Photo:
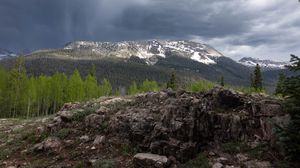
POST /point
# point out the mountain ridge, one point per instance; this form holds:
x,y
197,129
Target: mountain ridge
x,y
263,63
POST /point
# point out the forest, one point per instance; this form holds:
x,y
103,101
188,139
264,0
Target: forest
x,y
27,96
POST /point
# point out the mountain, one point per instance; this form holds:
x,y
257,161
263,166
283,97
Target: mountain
x,y
4,53
127,61
148,51
264,64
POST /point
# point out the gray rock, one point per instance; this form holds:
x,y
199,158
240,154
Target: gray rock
x,y
84,138
52,144
94,120
147,160
217,165
99,140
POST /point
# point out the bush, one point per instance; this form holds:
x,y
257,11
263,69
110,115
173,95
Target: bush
x,y
200,86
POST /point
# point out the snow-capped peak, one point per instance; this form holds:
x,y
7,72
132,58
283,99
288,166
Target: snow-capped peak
x,y
148,50
265,64
6,54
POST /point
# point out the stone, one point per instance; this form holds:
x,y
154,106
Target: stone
x,y
65,115
217,165
52,144
147,160
256,163
94,120
241,157
102,110
99,140
85,138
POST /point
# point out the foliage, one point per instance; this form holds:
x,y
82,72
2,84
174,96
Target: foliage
x,y
256,81
133,89
200,162
149,86
291,91
222,81
200,86
172,82
280,84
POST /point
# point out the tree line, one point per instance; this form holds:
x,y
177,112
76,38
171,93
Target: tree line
x,y
30,96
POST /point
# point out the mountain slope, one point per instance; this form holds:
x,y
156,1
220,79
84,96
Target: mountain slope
x,y
123,62
265,64
6,54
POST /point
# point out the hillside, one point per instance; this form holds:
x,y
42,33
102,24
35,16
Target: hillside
x,y
123,62
167,129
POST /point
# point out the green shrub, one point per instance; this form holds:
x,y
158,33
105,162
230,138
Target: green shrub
x,y
105,164
200,161
200,86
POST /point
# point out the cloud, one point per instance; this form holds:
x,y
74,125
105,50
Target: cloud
x,y
257,28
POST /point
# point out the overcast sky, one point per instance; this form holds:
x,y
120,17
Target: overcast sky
x,y
237,28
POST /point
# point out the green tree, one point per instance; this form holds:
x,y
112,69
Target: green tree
x,y
222,81
105,88
291,91
93,71
3,91
280,84
16,88
172,82
149,86
257,83
75,88
31,93
133,89
91,87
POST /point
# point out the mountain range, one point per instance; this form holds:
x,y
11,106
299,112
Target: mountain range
x,y
4,53
127,61
264,64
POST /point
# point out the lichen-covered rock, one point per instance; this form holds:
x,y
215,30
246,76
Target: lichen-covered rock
x,y
147,160
94,120
178,124
51,144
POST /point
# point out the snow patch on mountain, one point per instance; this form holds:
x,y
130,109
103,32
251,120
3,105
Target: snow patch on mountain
x,y
265,64
148,50
6,54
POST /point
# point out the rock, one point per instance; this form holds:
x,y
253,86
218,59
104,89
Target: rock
x,y
65,115
217,165
223,160
94,120
147,160
102,110
256,164
84,138
52,144
241,157
98,140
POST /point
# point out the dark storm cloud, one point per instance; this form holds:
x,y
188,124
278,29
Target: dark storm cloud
x,y
238,28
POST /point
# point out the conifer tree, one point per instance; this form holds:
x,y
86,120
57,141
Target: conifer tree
x,y
280,84
222,81
291,91
172,82
257,83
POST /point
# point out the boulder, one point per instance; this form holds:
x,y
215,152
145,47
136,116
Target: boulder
x,y
99,140
94,120
147,160
51,144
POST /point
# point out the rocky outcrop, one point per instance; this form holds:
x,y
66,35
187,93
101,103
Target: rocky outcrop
x,y
147,160
179,124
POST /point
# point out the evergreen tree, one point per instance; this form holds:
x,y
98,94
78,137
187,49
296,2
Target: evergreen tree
x,y
291,91
280,84
257,83
93,71
133,89
172,82
222,81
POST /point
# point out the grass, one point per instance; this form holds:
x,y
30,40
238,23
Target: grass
x,y
105,164
201,86
129,150
65,132
200,161
238,147
80,115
